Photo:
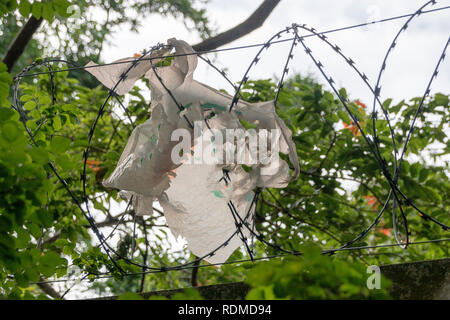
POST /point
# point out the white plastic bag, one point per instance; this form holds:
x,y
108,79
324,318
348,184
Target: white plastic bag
x,y
195,197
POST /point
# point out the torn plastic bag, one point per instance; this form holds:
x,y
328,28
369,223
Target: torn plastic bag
x,y
195,197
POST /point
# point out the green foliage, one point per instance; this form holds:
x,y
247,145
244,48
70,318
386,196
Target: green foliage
x,y
23,214
46,9
7,6
333,156
186,294
312,276
130,296
82,37
42,232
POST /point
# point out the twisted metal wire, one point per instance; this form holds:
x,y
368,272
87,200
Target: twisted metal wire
x,y
330,251
239,221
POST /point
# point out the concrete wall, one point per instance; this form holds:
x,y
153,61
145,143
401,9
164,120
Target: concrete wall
x,y
416,280
420,280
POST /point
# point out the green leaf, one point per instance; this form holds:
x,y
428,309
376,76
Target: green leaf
x,y
47,11
157,297
30,105
45,217
10,131
441,100
67,250
65,162
387,103
344,116
423,174
39,155
24,8
57,123
23,238
414,169
26,97
61,7
6,114
51,258
32,274
59,144
45,100
130,296
35,230
5,224
36,10
187,294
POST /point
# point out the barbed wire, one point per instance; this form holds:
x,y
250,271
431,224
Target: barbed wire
x,y
398,197
329,251
76,67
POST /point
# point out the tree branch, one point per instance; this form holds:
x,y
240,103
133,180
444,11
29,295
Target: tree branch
x,y
194,273
48,289
19,44
253,22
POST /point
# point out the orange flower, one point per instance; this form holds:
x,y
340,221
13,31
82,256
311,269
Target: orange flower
x,y
93,164
385,231
372,201
352,127
137,55
359,103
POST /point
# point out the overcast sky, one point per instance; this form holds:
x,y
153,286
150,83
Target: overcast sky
x,y
408,70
